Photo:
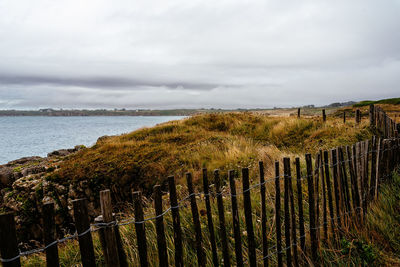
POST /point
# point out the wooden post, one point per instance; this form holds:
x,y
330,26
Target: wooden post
x,y
300,206
111,242
344,116
50,235
354,182
336,187
196,221
293,218
313,232
264,212
210,219
235,219
345,180
221,215
342,196
366,174
379,166
358,116
371,115
8,240
359,173
324,212
278,215
176,222
329,190
248,217
140,228
82,225
316,194
298,113
161,242
286,166
323,115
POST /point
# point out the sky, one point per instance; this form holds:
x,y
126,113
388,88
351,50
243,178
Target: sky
x,y
196,54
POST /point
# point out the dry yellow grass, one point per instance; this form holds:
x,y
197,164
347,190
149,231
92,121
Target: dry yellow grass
x,y
225,141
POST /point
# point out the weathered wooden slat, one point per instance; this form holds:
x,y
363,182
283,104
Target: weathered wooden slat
x,y
311,210
140,228
201,260
324,206
278,215
248,217
176,222
221,215
293,219
210,219
367,148
316,193
286,167
264,212
111,241
300,205
161,242
235,219
8,240
82,224
345,179
329,190
334,164
354,182
50,234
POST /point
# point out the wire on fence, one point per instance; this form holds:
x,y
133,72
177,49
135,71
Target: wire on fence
x,y
97,226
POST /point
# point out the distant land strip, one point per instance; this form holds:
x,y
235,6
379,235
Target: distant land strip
x,y
144,112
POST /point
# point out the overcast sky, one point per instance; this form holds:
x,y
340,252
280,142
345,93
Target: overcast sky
x,y
174,54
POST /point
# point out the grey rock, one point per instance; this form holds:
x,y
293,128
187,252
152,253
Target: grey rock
x,y
6,176
24,160
61,152
33,170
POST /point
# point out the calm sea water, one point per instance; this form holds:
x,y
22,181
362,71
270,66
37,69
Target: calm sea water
x,y
37,136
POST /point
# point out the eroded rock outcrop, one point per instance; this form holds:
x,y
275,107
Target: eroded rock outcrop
x,y
27,183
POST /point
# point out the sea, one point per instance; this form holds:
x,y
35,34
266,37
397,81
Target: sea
x,y
36,136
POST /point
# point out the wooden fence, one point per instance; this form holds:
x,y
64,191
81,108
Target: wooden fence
x,y
340,185
379,119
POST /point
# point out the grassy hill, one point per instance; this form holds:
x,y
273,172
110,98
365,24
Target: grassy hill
x,y
391,101
224,141
145,157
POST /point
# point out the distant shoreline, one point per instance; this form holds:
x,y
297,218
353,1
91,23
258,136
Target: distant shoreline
x,y
87,113
147,112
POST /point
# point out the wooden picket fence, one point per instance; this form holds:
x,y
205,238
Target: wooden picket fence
x,y
341,183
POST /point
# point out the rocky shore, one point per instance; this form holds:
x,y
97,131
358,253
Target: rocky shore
x,y
26,183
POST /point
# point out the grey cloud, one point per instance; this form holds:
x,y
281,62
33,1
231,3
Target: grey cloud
x,y
165,54
97,82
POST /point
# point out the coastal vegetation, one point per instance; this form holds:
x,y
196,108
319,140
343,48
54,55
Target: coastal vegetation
x,y
224,141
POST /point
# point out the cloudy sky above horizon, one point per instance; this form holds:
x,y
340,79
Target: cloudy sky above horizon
x,y
193,54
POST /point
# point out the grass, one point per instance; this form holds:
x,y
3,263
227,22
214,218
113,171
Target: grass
x,y
392,101
225,141
375,244
146,157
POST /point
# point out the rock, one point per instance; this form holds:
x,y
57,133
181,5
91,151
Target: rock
x,y
61,152
33,170
24,160
65,152
6,176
